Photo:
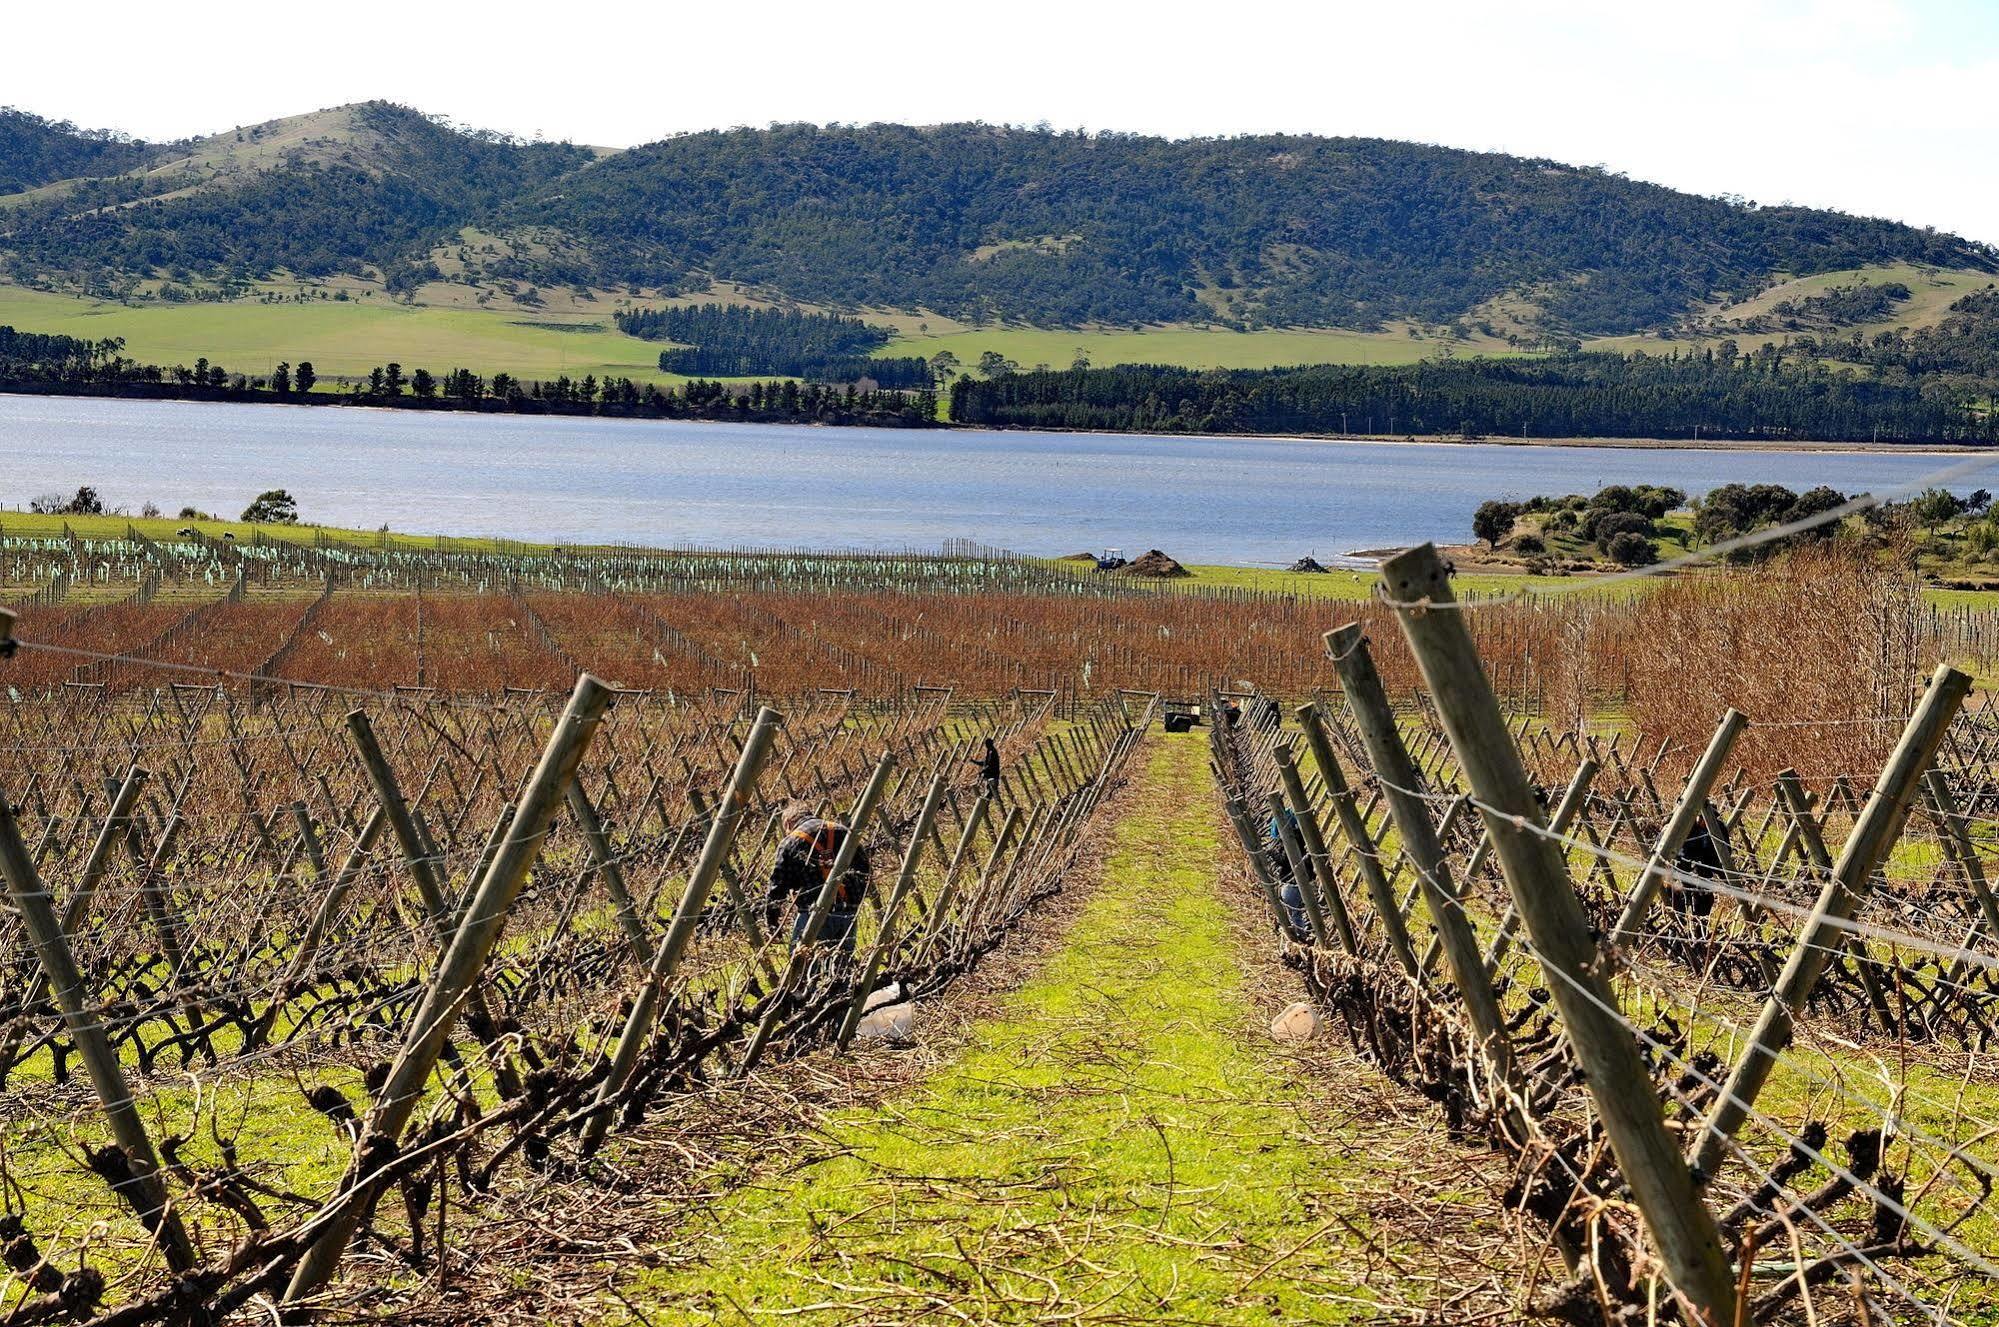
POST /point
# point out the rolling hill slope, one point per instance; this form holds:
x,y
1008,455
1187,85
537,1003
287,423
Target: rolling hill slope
x,y
972,226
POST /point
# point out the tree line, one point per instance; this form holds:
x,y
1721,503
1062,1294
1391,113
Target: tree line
x,y
35,362
741,341
1774,394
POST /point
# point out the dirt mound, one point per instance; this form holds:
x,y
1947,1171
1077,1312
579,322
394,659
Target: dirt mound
x,y
1307,564
1156,563
1078,557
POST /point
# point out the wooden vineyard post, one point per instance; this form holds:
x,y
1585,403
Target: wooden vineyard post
x,y
885,934
686,916
1846,890
1369,703
1693,800
1565,811
471,944
610,868
1797,804
1386,910
1002,840
144,1191
416,854
1537,876
117,823
1952,831
1319,859
422,865
940,907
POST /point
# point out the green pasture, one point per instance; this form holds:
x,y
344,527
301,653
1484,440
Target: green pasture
x,y
1191,347
164,529
345,338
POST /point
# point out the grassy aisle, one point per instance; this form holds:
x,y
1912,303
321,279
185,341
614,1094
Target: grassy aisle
x,y
1120,1145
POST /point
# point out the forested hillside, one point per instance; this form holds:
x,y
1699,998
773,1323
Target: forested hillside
x,y
35,151
372,185
1073,228
971,222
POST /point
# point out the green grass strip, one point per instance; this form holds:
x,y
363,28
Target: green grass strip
x,y
1120,1144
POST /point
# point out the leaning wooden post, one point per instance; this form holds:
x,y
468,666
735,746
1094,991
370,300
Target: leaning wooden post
x,y
1538,878
1368,701
686,916
116,825
1565,811
1002,840
147,1194
940,907
1953,834
1386,909
422,863
485,916
416,853
1687,811
1845,892
1316,854
885,934
1806,829
610,868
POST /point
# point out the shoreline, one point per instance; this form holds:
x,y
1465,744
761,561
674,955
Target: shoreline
x,y
442,406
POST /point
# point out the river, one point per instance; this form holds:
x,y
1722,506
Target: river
x,y
1248,501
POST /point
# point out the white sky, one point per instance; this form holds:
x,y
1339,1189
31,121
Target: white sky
x,y
1882,107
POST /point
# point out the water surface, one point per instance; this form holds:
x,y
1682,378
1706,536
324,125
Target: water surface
x,y
1233,500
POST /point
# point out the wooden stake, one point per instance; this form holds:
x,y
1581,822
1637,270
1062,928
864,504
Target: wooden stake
x,y
1846,890
470,946
1537,876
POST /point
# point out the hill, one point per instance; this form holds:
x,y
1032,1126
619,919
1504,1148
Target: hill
x,y
35,151
972,224
368,185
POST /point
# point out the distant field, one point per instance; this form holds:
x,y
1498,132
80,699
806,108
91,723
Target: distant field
x,y
345,338
1193,347
348,338
576,337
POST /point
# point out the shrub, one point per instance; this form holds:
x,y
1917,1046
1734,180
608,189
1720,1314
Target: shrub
x,y
272,507
1530,544
1631,549
1614,523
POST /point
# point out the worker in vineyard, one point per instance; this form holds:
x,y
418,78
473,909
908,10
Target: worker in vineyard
x,y
1699,856
805,860
1288,891
989,768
